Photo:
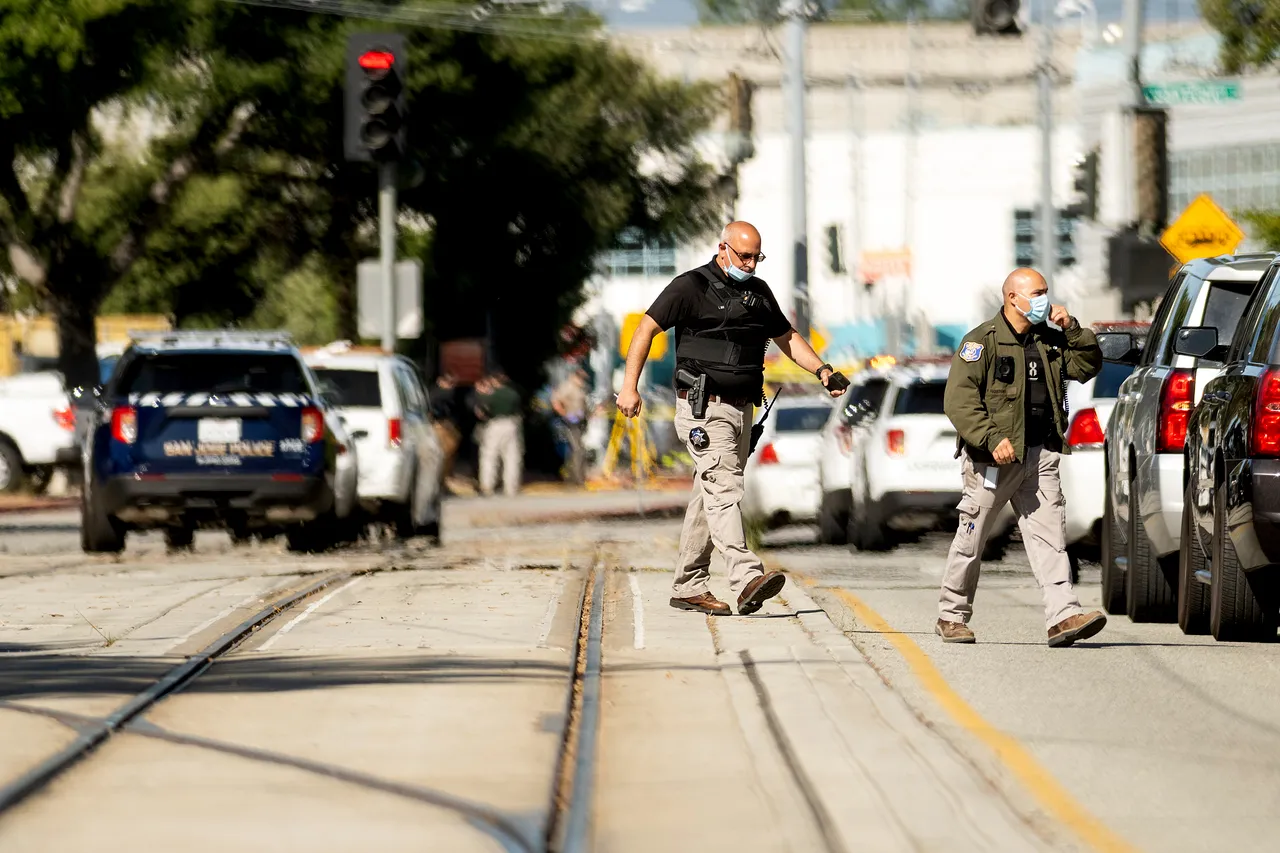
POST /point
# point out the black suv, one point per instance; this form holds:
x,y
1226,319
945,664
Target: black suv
x,y
1228,571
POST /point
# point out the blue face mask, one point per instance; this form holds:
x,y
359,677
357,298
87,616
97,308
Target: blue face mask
x,y
737,274
1039,309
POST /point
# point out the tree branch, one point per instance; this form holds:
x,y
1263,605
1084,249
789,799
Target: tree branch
x,y
182,168
69,192
26,264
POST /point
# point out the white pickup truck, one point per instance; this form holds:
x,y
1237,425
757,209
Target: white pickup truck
x,y
37,428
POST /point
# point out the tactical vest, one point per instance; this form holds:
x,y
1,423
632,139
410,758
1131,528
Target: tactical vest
x,y
743,311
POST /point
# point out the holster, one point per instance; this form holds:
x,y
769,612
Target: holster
x,y
696,385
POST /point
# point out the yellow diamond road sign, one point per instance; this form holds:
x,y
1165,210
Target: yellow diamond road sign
x,y
1202,231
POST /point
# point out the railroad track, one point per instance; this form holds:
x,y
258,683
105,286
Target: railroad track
x,y
565,828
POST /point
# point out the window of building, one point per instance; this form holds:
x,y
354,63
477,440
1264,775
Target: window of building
x,y
1239,177
1026,238
633,255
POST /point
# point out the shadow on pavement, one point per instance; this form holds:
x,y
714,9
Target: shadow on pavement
x,y
53,674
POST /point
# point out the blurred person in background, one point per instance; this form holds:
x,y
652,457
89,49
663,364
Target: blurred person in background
x,y
444,417
724,318
1005,396
569,402
498,406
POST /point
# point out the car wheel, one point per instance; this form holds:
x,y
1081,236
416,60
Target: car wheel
x,y
1242,606
179,538
833,518
1149,586
866,532
1193,603
11,475
993,550
99,532
403,515
314,536
1111,547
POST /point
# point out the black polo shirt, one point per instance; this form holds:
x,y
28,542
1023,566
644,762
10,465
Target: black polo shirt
x,y
691,305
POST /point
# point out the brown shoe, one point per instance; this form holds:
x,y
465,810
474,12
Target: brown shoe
x,y
1082,626
759,591
954,632
705,603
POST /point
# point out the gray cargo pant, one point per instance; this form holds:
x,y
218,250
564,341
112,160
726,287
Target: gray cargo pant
x,y
1034,488
714,517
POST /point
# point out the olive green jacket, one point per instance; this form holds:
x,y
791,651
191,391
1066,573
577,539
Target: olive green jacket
x,y
986,410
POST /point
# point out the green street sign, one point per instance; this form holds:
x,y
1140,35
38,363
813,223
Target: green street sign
x,y
1193,92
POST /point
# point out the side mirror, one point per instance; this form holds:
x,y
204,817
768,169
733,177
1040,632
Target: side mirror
x,y
1200,342
1119,347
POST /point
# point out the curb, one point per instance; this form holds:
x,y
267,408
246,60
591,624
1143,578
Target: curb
x,y
38,505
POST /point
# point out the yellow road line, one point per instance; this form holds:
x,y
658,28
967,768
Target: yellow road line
x,y
1031,773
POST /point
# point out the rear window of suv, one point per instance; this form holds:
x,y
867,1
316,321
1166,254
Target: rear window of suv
x,y
1225,306
803,419
920,398
355,387
210,373
1110,379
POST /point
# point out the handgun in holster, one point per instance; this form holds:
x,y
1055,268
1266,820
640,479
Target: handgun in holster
x,y
696,384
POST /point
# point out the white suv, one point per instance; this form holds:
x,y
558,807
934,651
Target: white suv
x,y
388,414
904,473
853,414
1147,432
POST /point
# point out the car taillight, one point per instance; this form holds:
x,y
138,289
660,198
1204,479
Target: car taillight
x,y
1086,429
896,440
312,425
768,456
65,418
844,437
124,424
1265,440
1176,399
393,432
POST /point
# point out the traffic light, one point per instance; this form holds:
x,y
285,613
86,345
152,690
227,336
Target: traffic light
x,y
375,101
994,17
1085,180
835,260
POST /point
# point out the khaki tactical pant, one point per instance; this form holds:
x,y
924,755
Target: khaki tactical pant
x,y
501,442
1034,488
714,517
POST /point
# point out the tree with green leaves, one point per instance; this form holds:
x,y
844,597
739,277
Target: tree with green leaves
x,y
189,160
1250,31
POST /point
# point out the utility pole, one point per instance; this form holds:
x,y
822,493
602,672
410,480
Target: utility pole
x,y
387,242
794,94
1048,213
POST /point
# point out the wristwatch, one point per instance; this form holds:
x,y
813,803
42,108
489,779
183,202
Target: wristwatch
x,y
818,372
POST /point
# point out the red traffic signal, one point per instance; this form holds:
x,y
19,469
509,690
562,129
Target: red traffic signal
x,y
377,60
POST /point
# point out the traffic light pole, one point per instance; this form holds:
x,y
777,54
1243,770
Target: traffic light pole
x,y
387,242
1048,213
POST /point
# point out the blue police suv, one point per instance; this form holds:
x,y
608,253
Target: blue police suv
x,y
215,429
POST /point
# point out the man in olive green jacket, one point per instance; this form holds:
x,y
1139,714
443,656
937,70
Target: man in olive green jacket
x,y
1005,396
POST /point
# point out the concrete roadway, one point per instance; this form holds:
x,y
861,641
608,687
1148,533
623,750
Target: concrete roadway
x,y
834,720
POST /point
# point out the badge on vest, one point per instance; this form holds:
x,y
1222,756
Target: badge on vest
x,y
971,351
699,439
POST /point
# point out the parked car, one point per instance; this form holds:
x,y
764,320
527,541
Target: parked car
x,y
854,412
37,428
1089,406
386,407
1145,469
215,429
781,478
904,473
1228,579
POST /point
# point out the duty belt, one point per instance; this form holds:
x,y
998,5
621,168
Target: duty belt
x,y
737,402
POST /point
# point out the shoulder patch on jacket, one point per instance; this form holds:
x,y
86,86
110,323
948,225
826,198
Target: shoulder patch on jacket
x,y
971,351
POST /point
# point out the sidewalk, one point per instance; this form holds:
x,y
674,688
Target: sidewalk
x,y
565,505
771,733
